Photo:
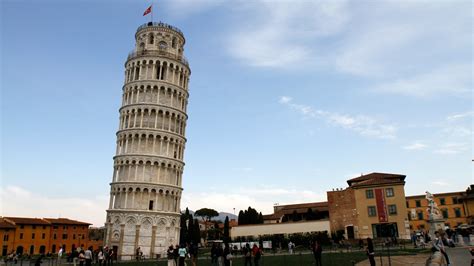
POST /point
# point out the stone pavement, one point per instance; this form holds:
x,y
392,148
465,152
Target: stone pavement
x,y
459,257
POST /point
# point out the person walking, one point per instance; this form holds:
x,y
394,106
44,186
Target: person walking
x,y
227,255
60,254
438,245
247,255
370,251
100,257
88,256
176,254
170,256
182,254
82,258
317,252
214,255
257,254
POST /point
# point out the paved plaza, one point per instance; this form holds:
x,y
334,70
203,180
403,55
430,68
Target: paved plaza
x,y
460,257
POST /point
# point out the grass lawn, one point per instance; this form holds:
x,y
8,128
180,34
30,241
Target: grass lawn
x,y
328,259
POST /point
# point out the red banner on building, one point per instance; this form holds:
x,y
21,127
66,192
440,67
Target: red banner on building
x,y
381,206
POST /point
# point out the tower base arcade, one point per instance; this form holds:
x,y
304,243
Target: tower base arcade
x,y
152,232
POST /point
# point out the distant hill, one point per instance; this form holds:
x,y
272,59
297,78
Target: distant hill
x,y
221,216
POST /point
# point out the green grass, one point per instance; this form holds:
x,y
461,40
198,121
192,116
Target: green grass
x,y
328,259
338,258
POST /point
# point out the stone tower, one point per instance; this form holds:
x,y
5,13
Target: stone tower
x,y
145,193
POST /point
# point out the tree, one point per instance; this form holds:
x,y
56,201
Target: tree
x,y
226,230
206,215
250,216
190,237
196,233
184,232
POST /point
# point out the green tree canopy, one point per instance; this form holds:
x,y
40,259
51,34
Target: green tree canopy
x,y
206,214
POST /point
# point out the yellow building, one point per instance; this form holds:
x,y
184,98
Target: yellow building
x,y
451,205
372,206
468,202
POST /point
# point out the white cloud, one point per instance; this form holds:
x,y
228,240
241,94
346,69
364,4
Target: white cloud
x,y
361,124
459,116
415,146
452,79
276,33
17,201
440,183
452,148
413,48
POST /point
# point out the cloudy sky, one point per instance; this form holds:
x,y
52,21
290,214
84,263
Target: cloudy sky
x,y
287,99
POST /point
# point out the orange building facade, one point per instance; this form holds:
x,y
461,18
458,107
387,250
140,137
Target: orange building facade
x,y
43,235
451,205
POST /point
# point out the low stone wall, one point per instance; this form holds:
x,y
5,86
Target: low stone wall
x,y
280,228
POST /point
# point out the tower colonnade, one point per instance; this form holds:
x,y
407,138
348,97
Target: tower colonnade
x,y
146,187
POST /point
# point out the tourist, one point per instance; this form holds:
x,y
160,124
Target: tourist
x,y
290,247
220,254
214,255
176,254
247,255
170,256
370,251
82,258
193,252
317,251
182,254
227,255
110,257
60,254
137,254
438,245
39,260
257,253
88,256
100,257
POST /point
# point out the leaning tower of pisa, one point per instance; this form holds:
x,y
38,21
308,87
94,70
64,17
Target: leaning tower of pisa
x,y
145,191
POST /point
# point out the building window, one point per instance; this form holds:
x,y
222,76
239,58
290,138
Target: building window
x,y
33,236
21,235
457,212
74,228
445,213
420,215
54,236
369,193
22,226
455,200
64,236
55,227
417,203
392,209
442,201
408,204
150,205
74,236
409,216
44,226
389,192
163,45
5,237
34,226
43,236
371,210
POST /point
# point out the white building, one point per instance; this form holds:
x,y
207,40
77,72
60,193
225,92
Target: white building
x,y
145,191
